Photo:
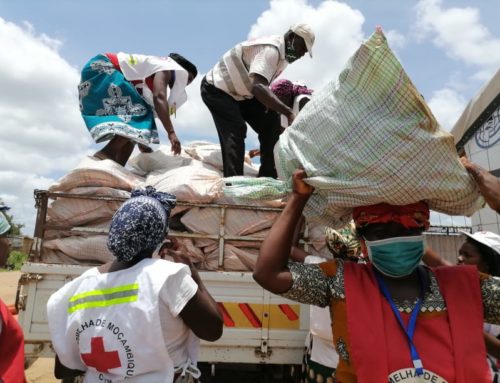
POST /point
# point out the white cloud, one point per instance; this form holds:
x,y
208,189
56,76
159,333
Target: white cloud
x,y
447,105
460,33
395,39
41,131
338,30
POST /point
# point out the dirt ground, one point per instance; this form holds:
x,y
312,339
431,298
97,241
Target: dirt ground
x,y
42,370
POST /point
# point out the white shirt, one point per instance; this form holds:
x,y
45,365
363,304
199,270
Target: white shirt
x,y
143,302
320,322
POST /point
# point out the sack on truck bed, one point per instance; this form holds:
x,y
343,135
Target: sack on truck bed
x,y
94,172
188,183
80,211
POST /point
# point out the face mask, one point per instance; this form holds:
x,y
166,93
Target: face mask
x,y
290,54
396,257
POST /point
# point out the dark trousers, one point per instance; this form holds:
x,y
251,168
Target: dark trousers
x,y
230,117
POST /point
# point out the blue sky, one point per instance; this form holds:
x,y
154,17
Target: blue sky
x,y
449,49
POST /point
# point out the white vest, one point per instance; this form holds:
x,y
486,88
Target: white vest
x,y
231,75
109,325
137,67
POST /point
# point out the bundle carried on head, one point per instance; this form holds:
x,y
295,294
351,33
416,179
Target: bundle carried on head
x,y
370,138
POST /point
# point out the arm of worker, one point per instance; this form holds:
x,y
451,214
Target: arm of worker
x,y
433,259
160,83
63,372
271,271
489,185
201,305
261,91
492,345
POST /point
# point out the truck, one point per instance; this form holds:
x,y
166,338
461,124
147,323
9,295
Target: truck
x,y
264,334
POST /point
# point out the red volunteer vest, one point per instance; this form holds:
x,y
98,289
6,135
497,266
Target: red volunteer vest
x,y
449,343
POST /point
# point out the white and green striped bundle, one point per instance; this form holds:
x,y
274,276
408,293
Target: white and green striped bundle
x,y
369,137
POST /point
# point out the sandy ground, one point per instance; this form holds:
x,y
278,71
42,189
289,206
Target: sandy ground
x,y
42,370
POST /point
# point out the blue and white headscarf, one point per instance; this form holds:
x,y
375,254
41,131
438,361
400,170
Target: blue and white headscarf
x,y
140,224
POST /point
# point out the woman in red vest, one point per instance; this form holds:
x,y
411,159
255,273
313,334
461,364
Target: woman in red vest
x,y
395,321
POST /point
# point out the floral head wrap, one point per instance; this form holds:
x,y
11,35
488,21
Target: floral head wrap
x,y
412,216
344,243
140,224
285,88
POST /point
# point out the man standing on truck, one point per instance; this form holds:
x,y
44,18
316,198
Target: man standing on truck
x,y
236,91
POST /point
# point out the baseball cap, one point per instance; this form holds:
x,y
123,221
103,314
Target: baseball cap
x,y
487,238
304,31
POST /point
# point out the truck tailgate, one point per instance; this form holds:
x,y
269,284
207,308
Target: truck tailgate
x,y
259,327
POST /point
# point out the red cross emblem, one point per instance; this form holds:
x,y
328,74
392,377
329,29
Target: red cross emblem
x,y
99,358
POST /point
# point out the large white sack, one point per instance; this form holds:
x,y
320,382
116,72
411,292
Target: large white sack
x,y
77,250
211,154
237,222
235,259
94,172
188,183
161,159
86,230
77,211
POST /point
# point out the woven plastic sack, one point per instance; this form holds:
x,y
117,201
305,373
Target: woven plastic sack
x,y
211,154
76,211
160,159
77,250
369,138
188,183
93,172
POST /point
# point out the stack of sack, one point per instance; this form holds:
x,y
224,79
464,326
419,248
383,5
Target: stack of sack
x,y
86,243
367,138
194,176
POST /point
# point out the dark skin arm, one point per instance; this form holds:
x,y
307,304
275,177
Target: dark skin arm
x,y
160,83
271,271
431,258
261,91
201,305
489,185
492,345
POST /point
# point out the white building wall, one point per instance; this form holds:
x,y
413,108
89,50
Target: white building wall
x,y
484,149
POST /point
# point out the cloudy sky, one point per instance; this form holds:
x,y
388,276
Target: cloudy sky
x,y
448,47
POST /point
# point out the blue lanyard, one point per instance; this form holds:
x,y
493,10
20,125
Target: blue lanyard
x,y
410,330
